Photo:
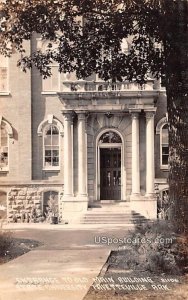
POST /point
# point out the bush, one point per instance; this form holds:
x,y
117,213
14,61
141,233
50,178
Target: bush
x,y
155,247
6,242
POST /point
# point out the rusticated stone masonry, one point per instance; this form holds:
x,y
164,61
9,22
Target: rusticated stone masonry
x,y
23,202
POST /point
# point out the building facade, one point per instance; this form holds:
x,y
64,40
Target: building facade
x,y
73,143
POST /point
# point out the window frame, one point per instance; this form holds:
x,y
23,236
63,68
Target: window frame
x,y
162,166
6,91
50,167
5,169
51,90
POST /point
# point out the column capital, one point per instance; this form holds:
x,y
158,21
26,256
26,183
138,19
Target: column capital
x,y
81,115
150,113
68,115
134,113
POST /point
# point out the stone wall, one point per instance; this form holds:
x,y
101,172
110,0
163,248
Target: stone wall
x,y
25,203
21,203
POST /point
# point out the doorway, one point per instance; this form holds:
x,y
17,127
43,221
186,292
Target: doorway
x,y
110,173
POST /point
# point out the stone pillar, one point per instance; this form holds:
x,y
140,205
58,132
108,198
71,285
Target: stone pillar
x,y
135,154
68,154
150,165
82,155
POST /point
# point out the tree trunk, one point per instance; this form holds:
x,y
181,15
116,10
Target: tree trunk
x,y
177,105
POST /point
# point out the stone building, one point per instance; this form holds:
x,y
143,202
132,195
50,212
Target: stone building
x,y
79,142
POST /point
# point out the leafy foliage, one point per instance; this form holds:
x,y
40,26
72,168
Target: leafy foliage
x,y
6,242
155,248
88,35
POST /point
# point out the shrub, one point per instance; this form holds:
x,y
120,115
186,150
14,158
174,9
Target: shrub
x,y
6,242
158,249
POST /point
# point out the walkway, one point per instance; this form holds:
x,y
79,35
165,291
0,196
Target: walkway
x,y
63,268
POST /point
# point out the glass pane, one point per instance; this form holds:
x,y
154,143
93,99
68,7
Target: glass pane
x,y
47,152
46,84
165,150
3,157
55,79
55,139
47,140
55,152
3,79
55,161
165,134
55,130
48,161
110,137
165,159
47,130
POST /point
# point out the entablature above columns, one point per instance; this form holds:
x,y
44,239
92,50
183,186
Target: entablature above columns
x,y
102,101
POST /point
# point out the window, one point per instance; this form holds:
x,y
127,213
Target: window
x,y
3,74
51,147
162,131
3,147
51,84
110,137
164,146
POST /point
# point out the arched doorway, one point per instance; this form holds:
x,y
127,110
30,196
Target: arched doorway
x,y
109,171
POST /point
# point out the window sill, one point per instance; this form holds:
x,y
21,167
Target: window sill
x,y
49,92
164,168
4,170
4,93
51,170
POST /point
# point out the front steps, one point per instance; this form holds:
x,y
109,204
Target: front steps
x,y
112,213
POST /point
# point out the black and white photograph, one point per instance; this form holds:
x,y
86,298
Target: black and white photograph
x,y
93,149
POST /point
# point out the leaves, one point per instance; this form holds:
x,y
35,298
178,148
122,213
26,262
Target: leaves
x,y
89,35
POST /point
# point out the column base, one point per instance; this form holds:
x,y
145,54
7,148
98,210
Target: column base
x,y
145,207
82,197
72,208
150,195
135,196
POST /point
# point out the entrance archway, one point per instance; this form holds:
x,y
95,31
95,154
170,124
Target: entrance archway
x,y
109,166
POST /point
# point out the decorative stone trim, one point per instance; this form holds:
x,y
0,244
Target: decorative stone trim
x,y
160,124
8,126
50,120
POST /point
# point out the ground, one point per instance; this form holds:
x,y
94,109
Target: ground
x,y
19,247
65,255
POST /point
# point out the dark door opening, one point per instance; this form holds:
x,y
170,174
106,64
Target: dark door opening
x,y
110,174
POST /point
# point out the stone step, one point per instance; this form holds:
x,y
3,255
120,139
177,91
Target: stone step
x,y
111,222
111,213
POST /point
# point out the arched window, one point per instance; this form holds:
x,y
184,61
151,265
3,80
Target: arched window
x,y
51,146
3,74
110,137
162,131
164,145
4,138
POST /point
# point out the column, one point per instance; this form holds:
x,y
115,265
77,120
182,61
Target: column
x,y
150,165
135,154
82,155
68,154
